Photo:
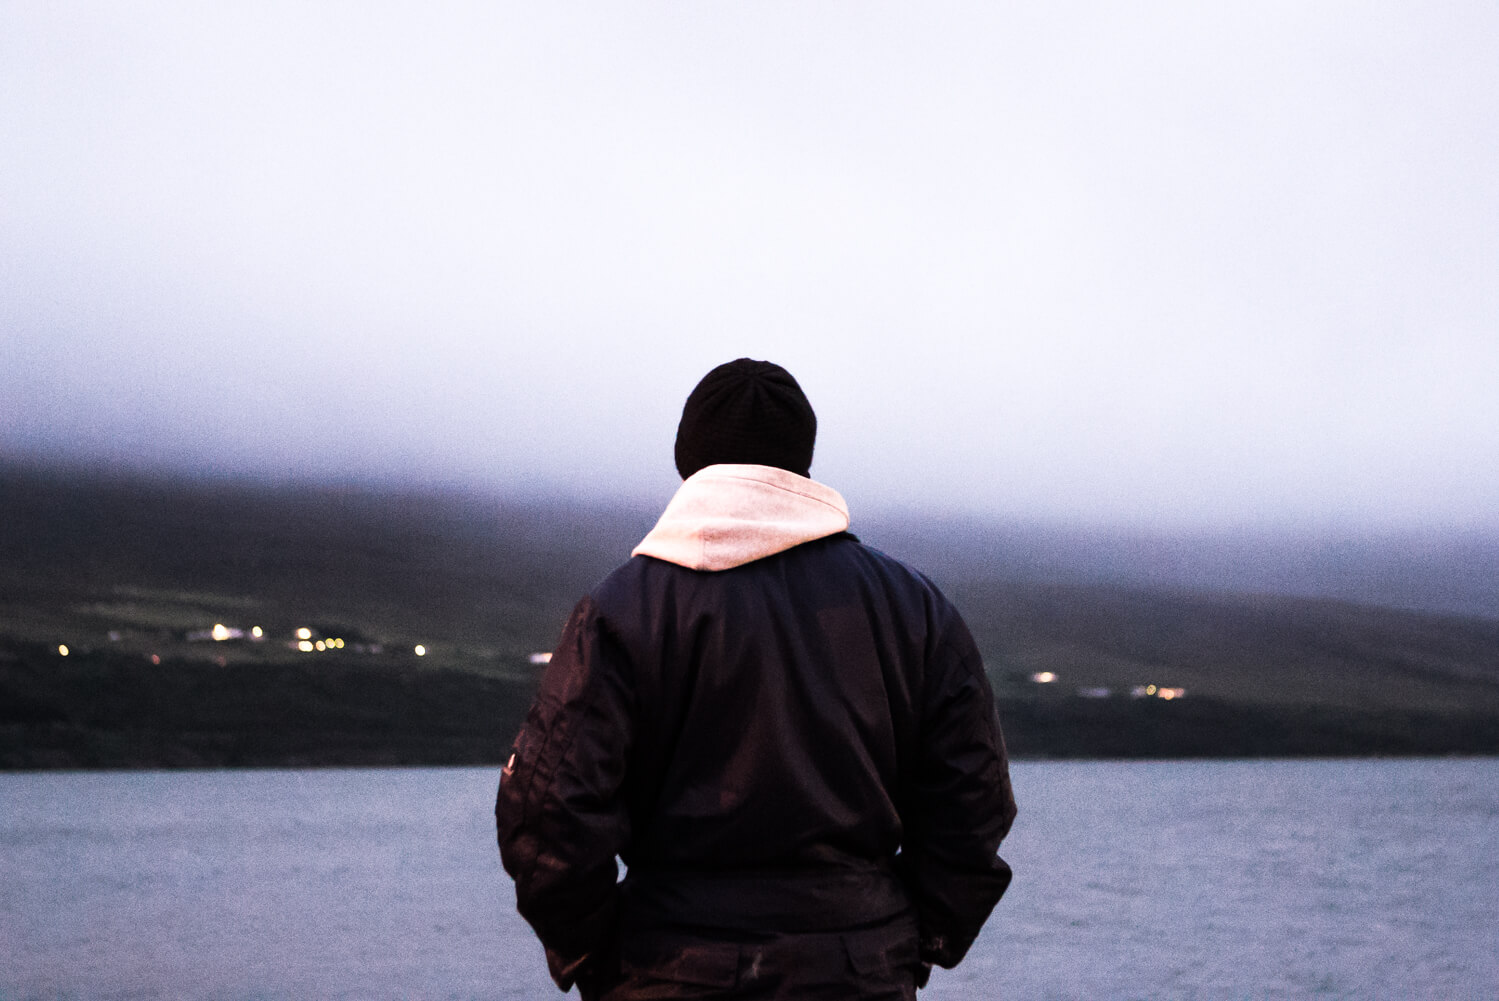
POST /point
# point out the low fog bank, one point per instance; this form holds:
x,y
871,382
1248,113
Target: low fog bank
x,y
1443,571
52,512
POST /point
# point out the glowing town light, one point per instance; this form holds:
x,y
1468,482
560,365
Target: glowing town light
x,y
1044,677
305,646
257,632
540,658
421,651
220,632
62,649
156,658
304,633
1150,689
321,646
339,643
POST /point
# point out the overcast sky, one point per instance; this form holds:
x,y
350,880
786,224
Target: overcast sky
x,y
1173,263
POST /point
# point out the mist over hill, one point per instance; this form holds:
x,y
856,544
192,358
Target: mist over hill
x,y
1444,571
154,523
401,626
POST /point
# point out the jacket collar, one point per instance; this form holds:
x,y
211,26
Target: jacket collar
x,y
725,516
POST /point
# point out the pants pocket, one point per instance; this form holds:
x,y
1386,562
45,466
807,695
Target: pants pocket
x,y
676,971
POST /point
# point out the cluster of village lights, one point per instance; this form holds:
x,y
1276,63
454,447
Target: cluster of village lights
x,y
1158,691
307,644
221,633
1137,692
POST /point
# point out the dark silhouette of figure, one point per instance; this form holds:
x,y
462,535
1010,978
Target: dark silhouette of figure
x,y
787,736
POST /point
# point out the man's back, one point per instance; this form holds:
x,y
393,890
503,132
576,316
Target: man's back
x,y
778,704
789,739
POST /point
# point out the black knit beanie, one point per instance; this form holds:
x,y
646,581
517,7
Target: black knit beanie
x,y
747,411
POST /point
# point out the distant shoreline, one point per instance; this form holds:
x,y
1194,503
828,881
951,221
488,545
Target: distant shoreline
x,y
106,710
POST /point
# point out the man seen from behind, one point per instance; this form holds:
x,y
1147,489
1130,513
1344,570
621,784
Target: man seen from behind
x,y
787,736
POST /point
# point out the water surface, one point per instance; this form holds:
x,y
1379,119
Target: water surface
x,y
1160,880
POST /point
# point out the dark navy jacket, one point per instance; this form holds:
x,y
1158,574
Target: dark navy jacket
x,y
801,744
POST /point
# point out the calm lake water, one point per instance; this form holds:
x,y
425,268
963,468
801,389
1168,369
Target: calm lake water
x,y
1174,880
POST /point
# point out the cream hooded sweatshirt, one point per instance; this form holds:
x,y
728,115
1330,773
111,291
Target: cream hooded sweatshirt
x,y
727,515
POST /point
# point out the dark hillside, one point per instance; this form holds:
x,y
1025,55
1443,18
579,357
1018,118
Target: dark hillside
x,y
1246,649
473,571
111,588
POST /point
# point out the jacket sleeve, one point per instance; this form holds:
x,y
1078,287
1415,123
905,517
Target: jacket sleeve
x,y
559,813
960,805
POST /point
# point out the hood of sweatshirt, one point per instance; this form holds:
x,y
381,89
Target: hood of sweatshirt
x,y
725,516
